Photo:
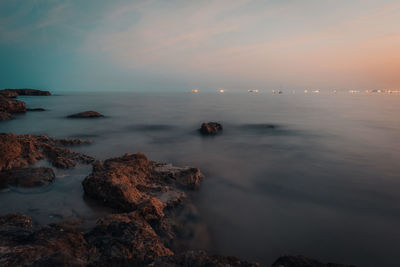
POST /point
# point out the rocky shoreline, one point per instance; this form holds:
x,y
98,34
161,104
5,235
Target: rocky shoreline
x,y
10,106
152,213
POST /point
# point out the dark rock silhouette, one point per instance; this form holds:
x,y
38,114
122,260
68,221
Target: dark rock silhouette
x,y
35,109
86,114
210,128
24,91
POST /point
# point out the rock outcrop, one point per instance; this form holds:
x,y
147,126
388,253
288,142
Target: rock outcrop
x,y
116,240
18,151
23,91
127,182
52,245
86,114
11,105
27,177
125,238
210,128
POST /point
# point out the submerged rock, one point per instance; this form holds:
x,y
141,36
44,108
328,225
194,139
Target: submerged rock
x,y
35,109
4,116
28,177
125,183
210,128
22,150
86,114
301,261
24,91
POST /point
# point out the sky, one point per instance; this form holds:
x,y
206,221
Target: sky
x,y
180,45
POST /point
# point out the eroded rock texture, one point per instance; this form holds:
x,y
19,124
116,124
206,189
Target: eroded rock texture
x,y
22,150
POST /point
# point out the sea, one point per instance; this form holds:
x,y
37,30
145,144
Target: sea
x,y
291,174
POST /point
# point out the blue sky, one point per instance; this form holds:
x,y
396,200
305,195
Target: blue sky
x,y
180,45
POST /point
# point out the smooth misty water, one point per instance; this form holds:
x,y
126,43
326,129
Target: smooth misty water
x,y
324,182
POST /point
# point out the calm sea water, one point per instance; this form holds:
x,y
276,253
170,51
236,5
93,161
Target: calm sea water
x,y
323,182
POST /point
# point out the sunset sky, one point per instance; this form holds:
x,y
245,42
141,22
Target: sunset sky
x,y
180,45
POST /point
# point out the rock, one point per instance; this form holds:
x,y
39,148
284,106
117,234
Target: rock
x,y
125,183
22,245
301,261
22,150
11,106
25,91
4,116
86,114
8,94
28,177
35,109
200,259
210,128
125,237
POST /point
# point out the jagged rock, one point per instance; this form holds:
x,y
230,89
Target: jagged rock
x,y
23,150
4,116
27,177
24,91
210,128
125,237
35,109
8,94
125,183
200,259
86,114
11,105
22,245
301,261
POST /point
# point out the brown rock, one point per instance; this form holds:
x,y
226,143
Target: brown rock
x,y
301,261
8,93
22,245
25,91
23,150
4,116
86,114
210,128
11,106
122,237
125,183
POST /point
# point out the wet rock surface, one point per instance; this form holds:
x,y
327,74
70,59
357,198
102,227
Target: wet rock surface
x,y
301,261
125,183
11,105
86,114
18,151
24,91
210,128
27,177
